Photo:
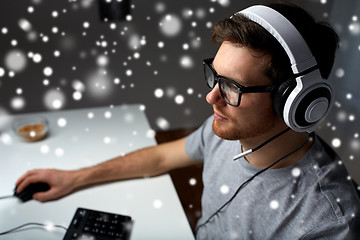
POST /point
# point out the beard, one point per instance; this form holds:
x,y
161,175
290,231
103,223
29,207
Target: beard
x,y
245,129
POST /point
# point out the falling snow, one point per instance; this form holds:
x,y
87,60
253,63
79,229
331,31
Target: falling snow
x,y
72,59
336,142
192,181
162,123
62,122
274,204
296,172
44,149
59,152
108,114
170,25
224,189
157,204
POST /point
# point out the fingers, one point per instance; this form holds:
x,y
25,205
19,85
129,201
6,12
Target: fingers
x,y
24,176
28,178
45,196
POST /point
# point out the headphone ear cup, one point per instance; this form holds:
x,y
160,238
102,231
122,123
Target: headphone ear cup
x,y
313,106
282,94
305,110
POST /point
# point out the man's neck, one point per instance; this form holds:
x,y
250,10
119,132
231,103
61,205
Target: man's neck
x,y
276,149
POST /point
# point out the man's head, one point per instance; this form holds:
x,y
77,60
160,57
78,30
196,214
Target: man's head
x,y
239,34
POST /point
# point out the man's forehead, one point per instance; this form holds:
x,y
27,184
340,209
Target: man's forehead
x,y
241,64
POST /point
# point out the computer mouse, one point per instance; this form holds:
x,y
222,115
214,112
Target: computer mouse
x,y
28,192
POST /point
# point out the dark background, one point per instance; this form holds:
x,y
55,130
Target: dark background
x,y
153,57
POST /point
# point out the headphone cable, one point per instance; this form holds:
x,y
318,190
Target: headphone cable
x,y
243,154
250,179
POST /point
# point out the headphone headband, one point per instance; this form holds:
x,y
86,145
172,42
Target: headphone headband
x,y
285,33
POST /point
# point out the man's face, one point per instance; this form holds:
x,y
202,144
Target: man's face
x,y
255,115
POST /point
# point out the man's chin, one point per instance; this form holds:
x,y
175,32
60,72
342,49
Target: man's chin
x,y
223,132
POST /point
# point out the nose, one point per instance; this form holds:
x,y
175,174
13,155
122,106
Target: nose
x,y
214,97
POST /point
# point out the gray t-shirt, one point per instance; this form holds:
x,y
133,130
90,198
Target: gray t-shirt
x,y
312,199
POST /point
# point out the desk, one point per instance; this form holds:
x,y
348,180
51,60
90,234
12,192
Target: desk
x,y
90,136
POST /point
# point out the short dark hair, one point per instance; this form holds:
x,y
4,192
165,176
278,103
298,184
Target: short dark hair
x,y
320,37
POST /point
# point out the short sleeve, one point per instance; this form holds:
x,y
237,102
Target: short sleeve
x,y
195,142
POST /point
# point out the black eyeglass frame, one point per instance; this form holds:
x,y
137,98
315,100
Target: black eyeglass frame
x,y
241,89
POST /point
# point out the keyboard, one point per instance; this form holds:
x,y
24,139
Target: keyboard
x,y
90,224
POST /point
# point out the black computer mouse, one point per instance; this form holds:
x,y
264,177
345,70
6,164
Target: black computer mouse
x,y
28,192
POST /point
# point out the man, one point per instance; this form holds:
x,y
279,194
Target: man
x,y
285,184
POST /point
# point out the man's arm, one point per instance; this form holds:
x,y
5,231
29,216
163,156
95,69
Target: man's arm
x,y
145,162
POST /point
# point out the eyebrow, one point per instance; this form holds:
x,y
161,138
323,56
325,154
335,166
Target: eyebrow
x,y
244,84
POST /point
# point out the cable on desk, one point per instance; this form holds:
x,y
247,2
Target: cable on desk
x,y
31,224
9,196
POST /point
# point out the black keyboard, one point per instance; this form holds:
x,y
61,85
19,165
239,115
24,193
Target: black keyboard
x,y
90,224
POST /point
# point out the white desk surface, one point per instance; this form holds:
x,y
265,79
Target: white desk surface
x,y
151,202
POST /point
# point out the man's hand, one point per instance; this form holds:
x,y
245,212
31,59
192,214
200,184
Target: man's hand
x,y
61,183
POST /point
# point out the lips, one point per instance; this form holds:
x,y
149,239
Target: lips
x,y
219,117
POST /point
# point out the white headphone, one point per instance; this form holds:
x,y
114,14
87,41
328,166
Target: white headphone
x,y
305,99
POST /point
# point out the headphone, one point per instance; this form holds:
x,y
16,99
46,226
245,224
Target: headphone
x,y
304,99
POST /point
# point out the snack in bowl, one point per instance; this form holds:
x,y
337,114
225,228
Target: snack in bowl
x,y
31,129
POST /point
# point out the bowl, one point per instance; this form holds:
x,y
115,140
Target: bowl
x,y
31,129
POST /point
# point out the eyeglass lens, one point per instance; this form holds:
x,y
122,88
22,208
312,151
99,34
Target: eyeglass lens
x,y
228,90
210,77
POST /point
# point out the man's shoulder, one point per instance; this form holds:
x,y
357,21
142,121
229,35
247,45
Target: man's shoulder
x,y
335,200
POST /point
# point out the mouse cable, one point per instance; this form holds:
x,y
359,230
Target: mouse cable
x,y
19,228
9,196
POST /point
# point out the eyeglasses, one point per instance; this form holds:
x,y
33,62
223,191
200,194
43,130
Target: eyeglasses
x,y
230,90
